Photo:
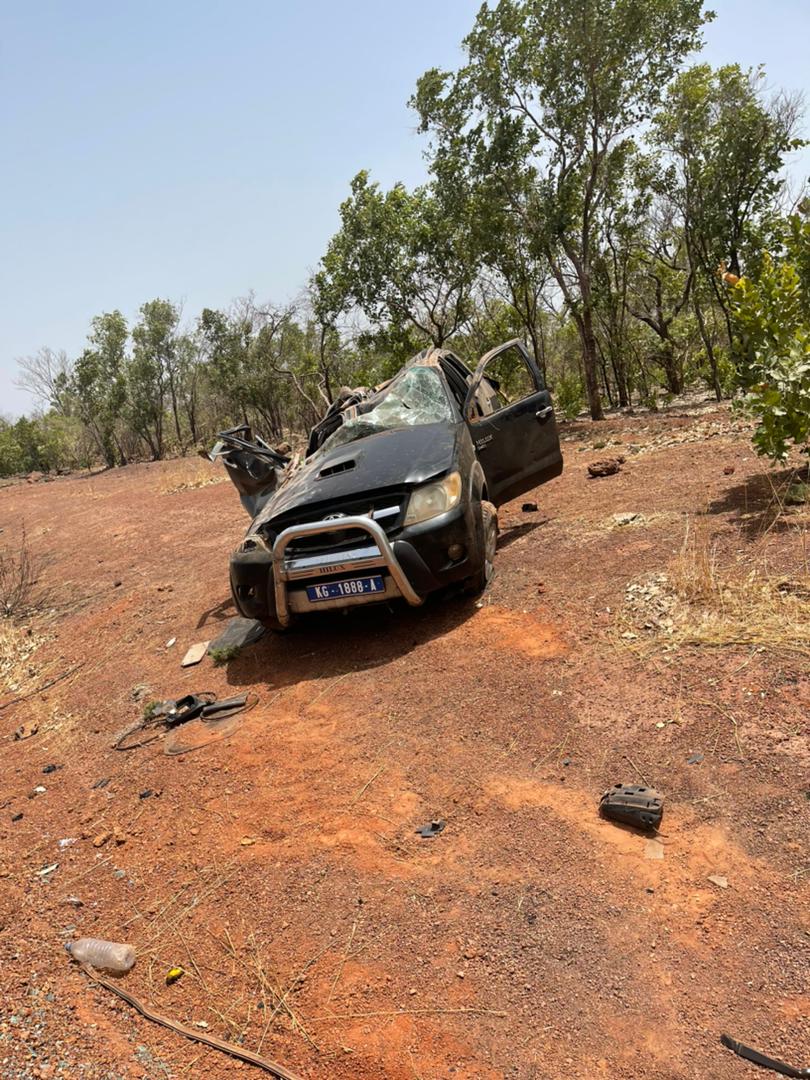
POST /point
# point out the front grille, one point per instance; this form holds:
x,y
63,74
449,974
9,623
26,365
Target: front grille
x,y
333,541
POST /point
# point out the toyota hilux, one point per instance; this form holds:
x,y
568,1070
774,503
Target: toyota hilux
x,y
396,496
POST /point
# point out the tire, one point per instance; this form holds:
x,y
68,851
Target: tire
x,y
477,582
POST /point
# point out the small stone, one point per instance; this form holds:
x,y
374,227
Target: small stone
x,y
247,841
719,880
101,839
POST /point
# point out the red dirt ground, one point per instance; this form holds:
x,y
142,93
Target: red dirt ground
x,y
531,938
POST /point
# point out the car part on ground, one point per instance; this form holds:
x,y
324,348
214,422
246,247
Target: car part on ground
x,y
630,804
760,1059
397,495
433,828
164,716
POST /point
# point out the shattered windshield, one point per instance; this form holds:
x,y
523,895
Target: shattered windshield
x,y
415,397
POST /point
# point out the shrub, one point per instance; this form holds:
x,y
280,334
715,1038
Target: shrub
x,y
771,312
569,395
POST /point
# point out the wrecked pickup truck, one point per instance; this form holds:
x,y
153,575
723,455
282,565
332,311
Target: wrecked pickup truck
x,y
396,496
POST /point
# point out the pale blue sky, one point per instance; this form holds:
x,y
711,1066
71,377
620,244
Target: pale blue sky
x,y
197,150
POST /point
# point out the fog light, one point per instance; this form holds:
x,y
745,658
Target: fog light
x,y
456,552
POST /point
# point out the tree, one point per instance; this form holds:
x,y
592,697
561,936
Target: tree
x,y
46,376
98,383
401,258
771,319
727,142
547,104
153,374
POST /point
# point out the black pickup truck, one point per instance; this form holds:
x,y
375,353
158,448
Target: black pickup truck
x,y
397,495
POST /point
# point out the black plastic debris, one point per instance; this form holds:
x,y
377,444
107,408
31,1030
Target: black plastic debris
x,y
433,828
529,508
761,1059
51,768
695,759
145,794
17,817
630,804
237,634
100,783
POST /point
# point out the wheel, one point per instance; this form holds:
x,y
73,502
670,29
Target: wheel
x,y
478,581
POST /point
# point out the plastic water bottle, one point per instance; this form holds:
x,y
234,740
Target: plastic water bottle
x,y
104,955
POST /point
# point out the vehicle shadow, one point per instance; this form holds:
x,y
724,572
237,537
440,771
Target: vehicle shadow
x,y
758,505
331,644
517,532
220,612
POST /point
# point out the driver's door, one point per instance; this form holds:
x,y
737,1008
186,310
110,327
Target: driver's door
x,y
511,420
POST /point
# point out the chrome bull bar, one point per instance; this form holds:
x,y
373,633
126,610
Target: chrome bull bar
x,y
384,557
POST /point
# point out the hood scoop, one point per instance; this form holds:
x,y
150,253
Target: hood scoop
x,y
346,465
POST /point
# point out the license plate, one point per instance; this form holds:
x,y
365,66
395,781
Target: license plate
x,y
335,590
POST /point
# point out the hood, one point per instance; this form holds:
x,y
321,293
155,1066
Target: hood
x,y
402,457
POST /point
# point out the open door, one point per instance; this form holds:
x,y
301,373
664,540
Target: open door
x,y
511,419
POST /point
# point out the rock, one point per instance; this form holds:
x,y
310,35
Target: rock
x,y
719,880
728,471
101,839
34,477
605,466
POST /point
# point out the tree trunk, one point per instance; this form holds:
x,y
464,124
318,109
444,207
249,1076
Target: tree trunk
x,y
590,360
718,390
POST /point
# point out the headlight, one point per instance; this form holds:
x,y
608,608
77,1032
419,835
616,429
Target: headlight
x,y
434,499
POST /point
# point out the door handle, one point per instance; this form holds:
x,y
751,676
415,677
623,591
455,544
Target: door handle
x,y
544,414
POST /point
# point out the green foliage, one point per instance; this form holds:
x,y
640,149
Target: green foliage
x,y
98,382
771,312
402,258
569,396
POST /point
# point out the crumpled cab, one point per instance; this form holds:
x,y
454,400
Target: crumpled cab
x,y
397,494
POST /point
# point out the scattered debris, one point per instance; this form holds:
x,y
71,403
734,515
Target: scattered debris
x,y
760,1059
17,817
102,783
195,654
719,880
145,794
170,642
68,841
237,634
728,470
51,768
105,955
630,804
173,974
25,731
101,839
695,759
38,790
433,828
47,870
162,716
626,518
530,508
605,466
74,901
248,841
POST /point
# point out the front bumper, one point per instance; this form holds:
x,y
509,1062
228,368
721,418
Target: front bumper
x,y
271,582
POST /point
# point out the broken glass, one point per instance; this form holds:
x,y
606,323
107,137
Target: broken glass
x,y
417,396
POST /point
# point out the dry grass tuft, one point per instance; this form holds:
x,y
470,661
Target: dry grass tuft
x,y
187,474
710,602
17,647
20,569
